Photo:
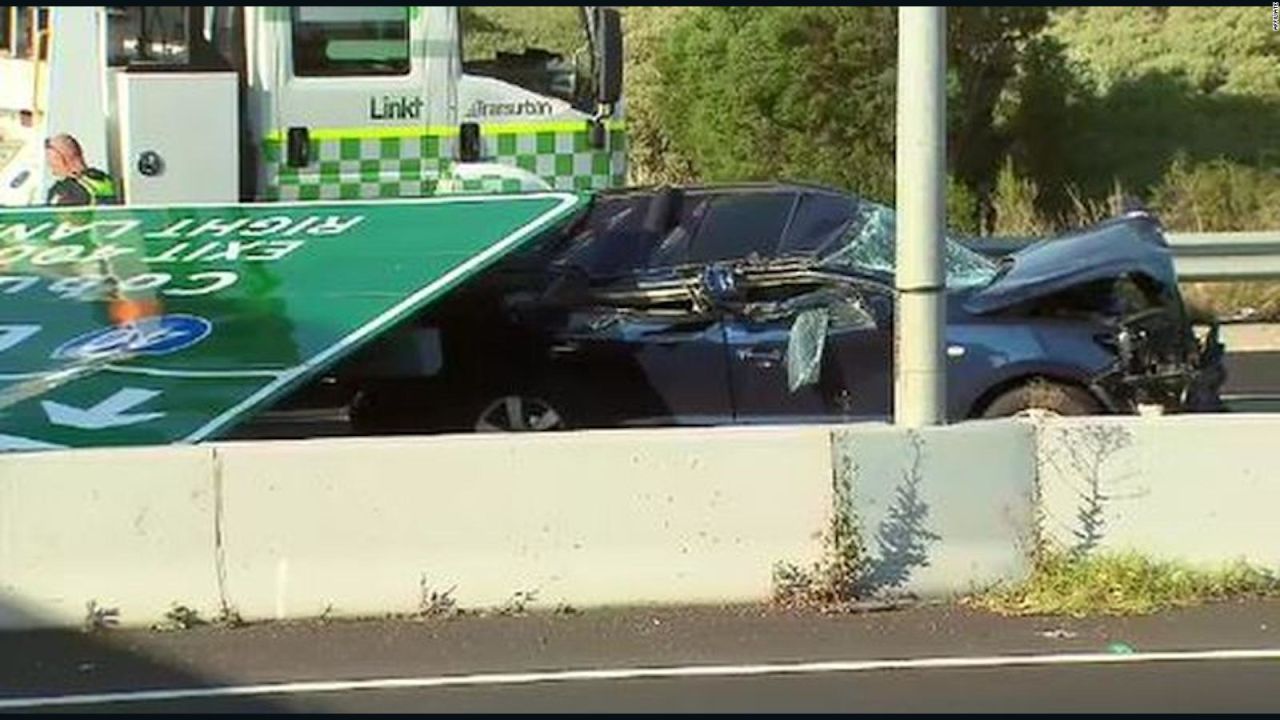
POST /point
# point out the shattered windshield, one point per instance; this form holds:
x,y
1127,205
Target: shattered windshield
x,y
868,244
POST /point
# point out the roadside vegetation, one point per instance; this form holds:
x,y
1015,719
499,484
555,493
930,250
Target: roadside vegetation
x,y
1054,113
1080,585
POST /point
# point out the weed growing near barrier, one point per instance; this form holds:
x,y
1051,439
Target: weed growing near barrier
x,y
1080,585
229,617
97,617
832,581
180,617
518,603
864,562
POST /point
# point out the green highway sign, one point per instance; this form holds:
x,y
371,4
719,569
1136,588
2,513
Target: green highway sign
x,y
142,326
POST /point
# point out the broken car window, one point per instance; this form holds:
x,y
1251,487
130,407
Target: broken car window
x,y
869,244
805,343
810,313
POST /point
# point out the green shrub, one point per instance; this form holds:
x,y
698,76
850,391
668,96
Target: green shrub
x,y
799,93
1218,196
652,157
1014,204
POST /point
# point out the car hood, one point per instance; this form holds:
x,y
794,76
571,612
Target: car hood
x,y
1129,245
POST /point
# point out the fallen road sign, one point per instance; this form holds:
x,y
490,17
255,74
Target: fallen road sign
x,y
141,326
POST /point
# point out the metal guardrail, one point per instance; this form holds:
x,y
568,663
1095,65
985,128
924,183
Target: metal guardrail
x,y
1226,256
1199,257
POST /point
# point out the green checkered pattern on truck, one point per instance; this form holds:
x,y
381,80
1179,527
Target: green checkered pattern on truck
x,y
355,166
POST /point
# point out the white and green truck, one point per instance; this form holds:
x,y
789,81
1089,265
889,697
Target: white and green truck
x,y
218,104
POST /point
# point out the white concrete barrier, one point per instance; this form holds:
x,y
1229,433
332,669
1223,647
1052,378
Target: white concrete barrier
x,y
128,530
374,526
1199,488
624,517
942,510
1250,337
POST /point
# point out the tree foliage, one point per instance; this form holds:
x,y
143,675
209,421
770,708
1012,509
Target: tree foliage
x,y
804,93
1116,94
1071,103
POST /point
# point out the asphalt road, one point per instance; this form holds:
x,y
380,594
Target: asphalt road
x,y
742,659
1253,382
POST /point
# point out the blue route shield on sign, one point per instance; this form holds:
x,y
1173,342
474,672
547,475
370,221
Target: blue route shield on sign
x,y
146,336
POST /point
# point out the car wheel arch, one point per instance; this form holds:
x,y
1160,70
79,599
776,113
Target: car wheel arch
x,y
980,405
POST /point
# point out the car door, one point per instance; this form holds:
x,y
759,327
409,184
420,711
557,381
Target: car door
x,y
617,366
848,350
861,354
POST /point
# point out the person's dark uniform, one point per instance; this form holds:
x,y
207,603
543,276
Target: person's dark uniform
x,y
91,187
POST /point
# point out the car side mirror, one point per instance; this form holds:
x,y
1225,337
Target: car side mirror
x,y
805,343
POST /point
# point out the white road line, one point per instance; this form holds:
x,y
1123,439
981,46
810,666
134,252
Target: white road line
x,y
693,671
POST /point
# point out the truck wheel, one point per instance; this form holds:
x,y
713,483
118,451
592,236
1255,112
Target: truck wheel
x,y
1048,397
519,413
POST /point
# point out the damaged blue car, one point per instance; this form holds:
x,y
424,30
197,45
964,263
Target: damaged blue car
x,y
775,304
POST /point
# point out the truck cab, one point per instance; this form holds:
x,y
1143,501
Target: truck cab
x,y
218,104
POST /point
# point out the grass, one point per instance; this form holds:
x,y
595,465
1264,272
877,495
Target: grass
x,y
1252,301
1122,584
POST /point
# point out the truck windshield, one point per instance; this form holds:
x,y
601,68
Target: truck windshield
x,y
543,49
330,40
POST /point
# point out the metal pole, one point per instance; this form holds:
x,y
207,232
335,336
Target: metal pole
x,y
920,380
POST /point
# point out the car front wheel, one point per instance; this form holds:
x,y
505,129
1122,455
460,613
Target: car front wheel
x,y
519,413
1045,397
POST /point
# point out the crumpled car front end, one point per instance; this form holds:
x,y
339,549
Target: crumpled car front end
x,y
1119,275
1159,361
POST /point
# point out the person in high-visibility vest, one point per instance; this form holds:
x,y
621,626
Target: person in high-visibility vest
x,y
78,184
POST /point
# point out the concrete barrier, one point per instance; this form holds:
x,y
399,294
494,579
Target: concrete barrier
x,y
941,510
1203,489
1251,337
624,517
127,530
356,527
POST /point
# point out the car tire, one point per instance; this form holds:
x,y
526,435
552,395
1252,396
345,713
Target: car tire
x,y
519,412
1047,397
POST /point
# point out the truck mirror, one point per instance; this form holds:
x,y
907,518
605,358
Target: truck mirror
x,y
469,142
609,27
298,147
598,134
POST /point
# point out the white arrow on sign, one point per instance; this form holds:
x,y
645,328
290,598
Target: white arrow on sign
x,y
106,414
